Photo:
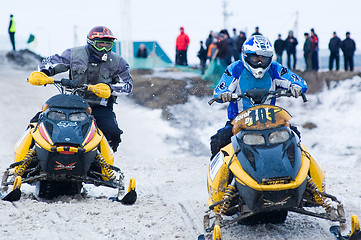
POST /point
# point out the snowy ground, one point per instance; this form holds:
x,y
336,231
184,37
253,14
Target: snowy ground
x,y
169,162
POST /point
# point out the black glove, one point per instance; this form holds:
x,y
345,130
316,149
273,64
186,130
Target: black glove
x,y
46,71
70,83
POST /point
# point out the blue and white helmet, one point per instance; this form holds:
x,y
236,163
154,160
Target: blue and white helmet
x,y
257,53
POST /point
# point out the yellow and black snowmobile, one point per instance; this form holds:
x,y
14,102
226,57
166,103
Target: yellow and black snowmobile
x,y
64,148
266,171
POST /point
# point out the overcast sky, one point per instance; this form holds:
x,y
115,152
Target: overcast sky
x,y
55,23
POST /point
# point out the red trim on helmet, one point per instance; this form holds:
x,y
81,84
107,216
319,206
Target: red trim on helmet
x,y
100,32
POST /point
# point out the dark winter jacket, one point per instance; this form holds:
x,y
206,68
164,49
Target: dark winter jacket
x,y
256,33
348,47
239,43
307,46
222,49
202,54
84,70
230,46
291,45
335,45
142,53
209,40
279,46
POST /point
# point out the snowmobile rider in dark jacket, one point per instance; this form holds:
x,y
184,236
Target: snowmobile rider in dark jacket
x,y
92,64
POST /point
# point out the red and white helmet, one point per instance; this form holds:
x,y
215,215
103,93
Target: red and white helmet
x,y
100,32
100,41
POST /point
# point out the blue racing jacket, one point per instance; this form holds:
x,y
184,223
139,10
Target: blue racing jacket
x,y
237,79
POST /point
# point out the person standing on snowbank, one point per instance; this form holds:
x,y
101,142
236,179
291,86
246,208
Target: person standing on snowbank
x,y
314,41
334,45
182,43
12,30
348,48
92,64
241,38
290,45
202,55
307,52
279,46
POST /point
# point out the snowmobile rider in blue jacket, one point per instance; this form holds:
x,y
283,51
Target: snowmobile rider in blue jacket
x,y
254,70
92,64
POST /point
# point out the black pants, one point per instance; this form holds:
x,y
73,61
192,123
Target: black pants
x,y
315,60
308,60
221,139
203,65
348,60
334,57
181,58
12,39
107,123
289,54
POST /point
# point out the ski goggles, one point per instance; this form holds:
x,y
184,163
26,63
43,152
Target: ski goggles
x,y
257,61
101,45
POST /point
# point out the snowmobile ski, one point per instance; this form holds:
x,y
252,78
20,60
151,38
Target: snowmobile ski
x,y
355,230
201,237
15,193
131,196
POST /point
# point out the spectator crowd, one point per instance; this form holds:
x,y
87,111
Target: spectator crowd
x,y
224,48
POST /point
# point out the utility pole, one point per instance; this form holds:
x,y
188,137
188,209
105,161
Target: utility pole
x,y
226,14
295,27
126,30
76,42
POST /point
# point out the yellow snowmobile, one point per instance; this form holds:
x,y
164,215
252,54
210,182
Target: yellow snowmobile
x,y
64,148
265,171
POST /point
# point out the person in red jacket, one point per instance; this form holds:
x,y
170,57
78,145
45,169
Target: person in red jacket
x,y
181,48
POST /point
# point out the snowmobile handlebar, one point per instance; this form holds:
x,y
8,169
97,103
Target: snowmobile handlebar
x,y
259,96
101,90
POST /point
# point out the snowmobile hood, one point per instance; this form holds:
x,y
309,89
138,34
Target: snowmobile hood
x,y
261,117
67,101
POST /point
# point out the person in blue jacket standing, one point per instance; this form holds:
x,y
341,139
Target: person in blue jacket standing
x,y
254,70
